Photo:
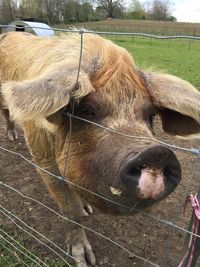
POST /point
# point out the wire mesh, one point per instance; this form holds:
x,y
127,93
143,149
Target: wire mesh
x,y
46,242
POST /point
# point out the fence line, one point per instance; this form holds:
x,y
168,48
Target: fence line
x,y
63,179
85,227
169,223
68,181
140,34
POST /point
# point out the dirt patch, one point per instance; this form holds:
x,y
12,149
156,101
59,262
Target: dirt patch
x,y
143,236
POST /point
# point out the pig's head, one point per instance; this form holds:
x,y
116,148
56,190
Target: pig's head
x,y
111,92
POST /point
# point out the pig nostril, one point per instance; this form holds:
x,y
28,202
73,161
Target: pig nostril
x,y
130,176
171,175
134,172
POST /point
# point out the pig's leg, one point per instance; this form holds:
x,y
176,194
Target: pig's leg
x,y
10,126
41,145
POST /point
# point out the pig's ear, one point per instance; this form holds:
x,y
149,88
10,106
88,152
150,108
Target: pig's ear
x,y
178,103
44,95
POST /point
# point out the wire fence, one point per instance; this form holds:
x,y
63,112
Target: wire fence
x,y
16,249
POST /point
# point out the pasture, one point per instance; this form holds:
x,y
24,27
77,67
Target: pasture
x,y
179,57
147,26
141,234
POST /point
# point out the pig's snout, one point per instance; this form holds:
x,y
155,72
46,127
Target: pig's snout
x,y
153,173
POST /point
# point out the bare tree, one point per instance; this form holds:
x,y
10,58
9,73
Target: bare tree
x,y
110,6
159,9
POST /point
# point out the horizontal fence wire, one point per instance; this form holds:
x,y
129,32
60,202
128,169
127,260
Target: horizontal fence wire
x,y
13,218
74,222
93,193
14,254
23,226
28,253
191,150
169,223
17,249
140,34
66,180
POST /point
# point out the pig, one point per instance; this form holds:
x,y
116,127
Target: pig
x,y
91,113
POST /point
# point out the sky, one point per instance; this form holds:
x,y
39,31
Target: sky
x,y
187,10
184,10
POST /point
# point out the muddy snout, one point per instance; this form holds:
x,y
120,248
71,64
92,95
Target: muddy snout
x,y
153,173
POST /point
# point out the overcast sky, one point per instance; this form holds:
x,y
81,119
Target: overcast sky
x,y
184,10
187,10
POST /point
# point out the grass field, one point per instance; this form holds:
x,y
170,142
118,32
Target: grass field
x,y
155,27
178,57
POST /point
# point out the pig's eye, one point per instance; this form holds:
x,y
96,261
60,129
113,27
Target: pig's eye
x,y
87,110
92,107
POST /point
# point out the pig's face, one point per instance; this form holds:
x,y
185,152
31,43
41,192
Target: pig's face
x,y
130,171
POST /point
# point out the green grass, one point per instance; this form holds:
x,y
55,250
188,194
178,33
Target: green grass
x,y
21,255
177,57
